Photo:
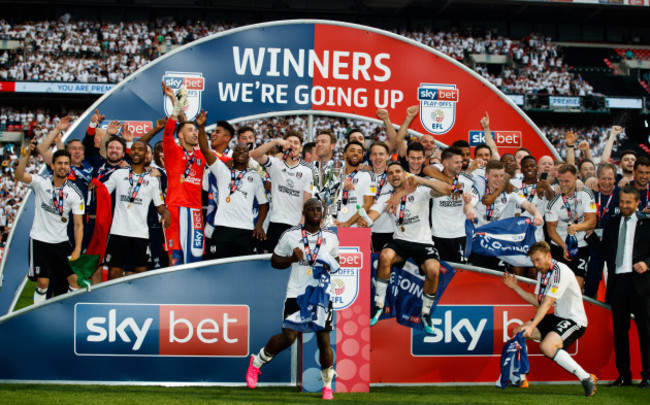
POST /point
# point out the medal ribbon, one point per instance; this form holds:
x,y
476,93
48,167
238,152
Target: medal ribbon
x,y
58,200
305,242
103,171
382,181
190,161
489,211
402,208
647,194
544,282
454,185
345,192
135,189
533,191
289,152
602,211
568,206
234,182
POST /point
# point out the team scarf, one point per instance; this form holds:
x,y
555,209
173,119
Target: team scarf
x,y
508,239
514,362
405,304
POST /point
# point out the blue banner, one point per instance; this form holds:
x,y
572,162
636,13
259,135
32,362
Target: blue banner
x,y
508,239
404,293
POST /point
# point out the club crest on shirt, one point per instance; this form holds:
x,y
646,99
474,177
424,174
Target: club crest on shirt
x,y
195,84
299,175
411,198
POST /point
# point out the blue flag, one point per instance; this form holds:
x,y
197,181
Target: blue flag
x,y
404,293
514,361
508,239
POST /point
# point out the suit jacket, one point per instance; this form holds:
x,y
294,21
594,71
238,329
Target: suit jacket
x,y
640,251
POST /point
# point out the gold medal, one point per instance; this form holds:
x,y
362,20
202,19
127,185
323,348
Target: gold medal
x,y
309,271
128,206
402,228
228,199
64,220
344,210
182,179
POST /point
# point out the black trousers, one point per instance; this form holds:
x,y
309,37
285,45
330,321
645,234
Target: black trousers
x,y
625,301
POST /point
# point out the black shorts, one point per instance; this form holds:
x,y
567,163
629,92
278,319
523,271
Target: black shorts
x,y
231,242
120,246
568,330
450,249
488,262
291,307
48,260
379,240
578,265
419,252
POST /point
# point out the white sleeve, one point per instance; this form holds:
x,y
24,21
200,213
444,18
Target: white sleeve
x,y
557,285
283,248
380,204
260,195
335,249
551,213
110,184
156,192
588,202
309,184
37,182
78,207
367,185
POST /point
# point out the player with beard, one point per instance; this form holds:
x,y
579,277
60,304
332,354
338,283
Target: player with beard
x,y
447,212
325,145
184,164
571,212
641,183
50,246
411,238
356,188
291,183
538,192
239,187
464,147
558,288
135,189
382,228
298,248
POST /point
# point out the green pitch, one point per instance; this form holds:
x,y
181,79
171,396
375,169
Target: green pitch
x,y
94,394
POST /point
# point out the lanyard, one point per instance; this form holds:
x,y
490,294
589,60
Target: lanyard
x,y
602,211
289,152
568,206
345,192
58,199
647,194
382,181
533,191
489,211
402,209
234,182
190,161
305,241
136,189
103,171
544,281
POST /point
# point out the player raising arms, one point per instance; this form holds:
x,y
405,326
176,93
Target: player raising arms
x,y
184,164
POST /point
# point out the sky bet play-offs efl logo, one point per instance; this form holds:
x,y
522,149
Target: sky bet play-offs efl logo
x,y
345,282
195,84
161,330
473,330
437,107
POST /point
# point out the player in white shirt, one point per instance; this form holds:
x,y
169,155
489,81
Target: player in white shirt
x,y
135,189
382,228
503,207
556,287
447,212
55,198
291,183
299,248
571,212
238,188
411,238
357,186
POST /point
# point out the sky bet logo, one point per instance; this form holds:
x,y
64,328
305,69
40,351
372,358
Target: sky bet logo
x,y
503,139
161,330
425,93
473,330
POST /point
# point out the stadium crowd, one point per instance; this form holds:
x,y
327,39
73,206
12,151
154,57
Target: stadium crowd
x,y
88,51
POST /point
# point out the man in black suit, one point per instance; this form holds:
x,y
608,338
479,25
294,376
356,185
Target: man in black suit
x,y
626,247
